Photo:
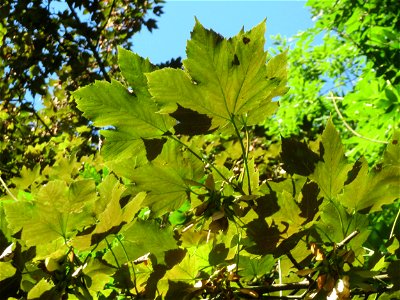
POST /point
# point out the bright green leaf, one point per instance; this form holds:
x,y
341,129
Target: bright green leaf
x,y
7,270
55,215
252,267
42,287
133,68
331,173
133,118
165,178
371,190
99,274
226,79
288,216
187,270
140,238
392,153
335,224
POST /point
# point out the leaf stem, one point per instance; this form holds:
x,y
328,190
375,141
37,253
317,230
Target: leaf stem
x,y
244,153
133,267
112,252
7,190
394,224
204,160
333,98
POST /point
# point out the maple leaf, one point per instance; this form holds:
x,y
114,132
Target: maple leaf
x,y
331,173
226,79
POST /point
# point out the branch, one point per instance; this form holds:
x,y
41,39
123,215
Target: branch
x,y
333,98
306,285
347,239
106,22
7,190
89,42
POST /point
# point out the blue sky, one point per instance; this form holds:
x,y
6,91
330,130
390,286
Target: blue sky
x,y
225,17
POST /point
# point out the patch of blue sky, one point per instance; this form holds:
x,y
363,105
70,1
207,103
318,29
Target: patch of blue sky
x,y
285,18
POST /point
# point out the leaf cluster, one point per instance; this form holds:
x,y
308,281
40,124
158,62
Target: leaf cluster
x,y
47,50
184,203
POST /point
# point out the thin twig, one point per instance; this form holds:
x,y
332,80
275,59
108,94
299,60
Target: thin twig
x,y
106,22
301,285
347,239
333,98
394,224
89,42
7,190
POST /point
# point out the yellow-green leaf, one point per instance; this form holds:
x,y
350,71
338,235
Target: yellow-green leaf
x,y
226,79
331,173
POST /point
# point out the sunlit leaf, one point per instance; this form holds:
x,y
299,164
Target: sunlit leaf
x,y
371,190
99,274
165,178
140,238
133,68
132,117
254,267
331,173
226,79
7,270
43,289
55,215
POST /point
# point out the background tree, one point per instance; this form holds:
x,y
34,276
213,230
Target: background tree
x,y
357,61
48,49
347,66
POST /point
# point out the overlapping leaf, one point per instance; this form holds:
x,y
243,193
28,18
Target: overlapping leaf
x,y
112,216
226,79
165,178
371,190
141,238
331,173
56,214
130,114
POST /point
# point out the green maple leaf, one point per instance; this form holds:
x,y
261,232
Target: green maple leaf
x,y
226,79
288,217
166,178
195,259
141,238
331,173
131,115
254,266
99,273
134,118
371,190
336,223
133,67
55,215
392,153
112,217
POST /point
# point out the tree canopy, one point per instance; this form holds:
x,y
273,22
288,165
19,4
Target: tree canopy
x,y
240,174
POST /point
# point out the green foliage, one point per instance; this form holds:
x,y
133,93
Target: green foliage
x,y
356,63
47,50
186,204
71,39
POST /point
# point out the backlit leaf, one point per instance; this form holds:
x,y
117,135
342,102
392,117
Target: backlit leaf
x,y
140,238
371,190
331,173
133,68
7,270
225,79
288,217
251,267
165,178
55,215
132,117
